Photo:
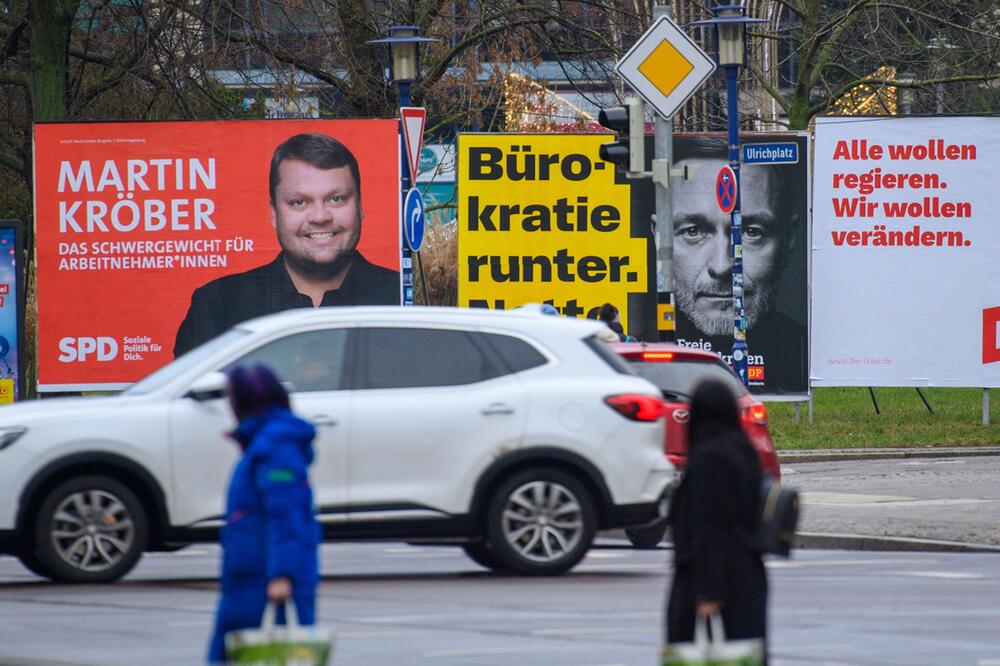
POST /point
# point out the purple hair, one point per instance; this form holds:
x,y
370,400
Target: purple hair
x,y
254,390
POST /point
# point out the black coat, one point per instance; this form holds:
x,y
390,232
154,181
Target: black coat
x,y
713,518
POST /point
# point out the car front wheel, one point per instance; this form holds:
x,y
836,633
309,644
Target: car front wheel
x,y
90,529
540,522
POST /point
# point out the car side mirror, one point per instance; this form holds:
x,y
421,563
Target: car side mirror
x,y
208,387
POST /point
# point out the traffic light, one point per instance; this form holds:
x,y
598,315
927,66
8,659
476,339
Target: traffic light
x,y
629,122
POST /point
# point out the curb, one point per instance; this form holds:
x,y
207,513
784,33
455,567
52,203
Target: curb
x,y
816,541
830,455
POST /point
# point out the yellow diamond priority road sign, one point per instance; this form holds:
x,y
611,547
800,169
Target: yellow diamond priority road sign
x,y
665,66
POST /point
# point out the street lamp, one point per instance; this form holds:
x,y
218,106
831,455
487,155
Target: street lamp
x,y
730,23
403,42
404,46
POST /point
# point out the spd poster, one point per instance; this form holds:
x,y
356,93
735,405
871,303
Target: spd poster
x,y
906,283
152,238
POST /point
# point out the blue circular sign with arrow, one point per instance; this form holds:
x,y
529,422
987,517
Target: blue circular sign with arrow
x,y
413,219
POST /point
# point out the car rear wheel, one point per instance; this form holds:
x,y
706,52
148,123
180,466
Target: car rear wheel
x,y
540,522
647,536
90,530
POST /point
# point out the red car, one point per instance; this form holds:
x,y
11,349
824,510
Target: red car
x,y
676,371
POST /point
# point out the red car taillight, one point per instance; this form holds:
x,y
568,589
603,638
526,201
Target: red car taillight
x,y
636,407
755,414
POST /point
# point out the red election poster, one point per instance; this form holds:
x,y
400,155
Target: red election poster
x,y
153,237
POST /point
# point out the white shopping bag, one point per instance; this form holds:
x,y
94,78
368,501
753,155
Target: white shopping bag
x,y
714,650
277,645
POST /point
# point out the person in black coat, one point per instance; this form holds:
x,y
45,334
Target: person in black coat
x,y
609,315
713,518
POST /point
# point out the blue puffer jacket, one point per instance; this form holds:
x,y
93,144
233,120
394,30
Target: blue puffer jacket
x,y
271,530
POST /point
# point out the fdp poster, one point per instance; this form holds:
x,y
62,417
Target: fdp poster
x,y
774,205
906,283
542,219
154,237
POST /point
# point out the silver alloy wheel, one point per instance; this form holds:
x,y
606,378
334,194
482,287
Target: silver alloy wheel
x,y
92,530
542,521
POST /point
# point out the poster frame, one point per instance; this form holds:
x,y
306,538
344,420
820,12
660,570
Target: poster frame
x,y
19,280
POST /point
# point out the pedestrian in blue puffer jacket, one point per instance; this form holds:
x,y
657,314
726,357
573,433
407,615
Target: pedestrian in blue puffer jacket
x,y
269,542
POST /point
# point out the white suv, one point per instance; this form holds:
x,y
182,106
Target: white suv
x,y
515,434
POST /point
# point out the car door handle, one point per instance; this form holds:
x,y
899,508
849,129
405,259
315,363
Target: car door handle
x,y
323,421
497,408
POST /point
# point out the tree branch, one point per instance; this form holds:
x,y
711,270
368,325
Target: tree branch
x,y
13,163
14,79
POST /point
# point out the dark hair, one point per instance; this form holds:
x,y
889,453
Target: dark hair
x,y
714,413
254,390
607,313
315,149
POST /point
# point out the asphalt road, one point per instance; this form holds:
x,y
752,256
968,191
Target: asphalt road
x,y
395,604
398,604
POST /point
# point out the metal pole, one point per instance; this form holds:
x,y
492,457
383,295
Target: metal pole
x,y
736,226
986,406
664,150
405,255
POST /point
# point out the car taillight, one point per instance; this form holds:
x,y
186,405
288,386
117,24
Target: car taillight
x,y
657,357
756,414
636,406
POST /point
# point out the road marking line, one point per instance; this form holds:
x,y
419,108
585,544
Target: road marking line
x,y
950,575
604,567
605,555
190,623
595,631
526,649
378,634
776,564
850,498
857,500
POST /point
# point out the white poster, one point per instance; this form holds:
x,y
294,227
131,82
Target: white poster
x,y
906,252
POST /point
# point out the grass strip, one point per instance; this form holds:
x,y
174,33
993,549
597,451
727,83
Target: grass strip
x,y
845,418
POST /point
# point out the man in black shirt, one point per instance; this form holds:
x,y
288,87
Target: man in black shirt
x,y
315,191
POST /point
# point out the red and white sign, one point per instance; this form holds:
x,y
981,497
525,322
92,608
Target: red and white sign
x,y
725,189
413,118
906,282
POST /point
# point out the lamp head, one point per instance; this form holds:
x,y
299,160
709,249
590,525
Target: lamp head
x,y
730,22
403,42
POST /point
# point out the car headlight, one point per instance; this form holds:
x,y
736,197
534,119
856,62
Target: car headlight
x,y
10,435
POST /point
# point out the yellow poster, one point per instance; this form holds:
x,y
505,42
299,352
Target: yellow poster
x,y
542,220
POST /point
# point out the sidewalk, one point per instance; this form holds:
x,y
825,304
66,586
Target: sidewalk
x,y
857,507
786,457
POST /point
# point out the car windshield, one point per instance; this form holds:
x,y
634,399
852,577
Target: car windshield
x,y
180,365
677,379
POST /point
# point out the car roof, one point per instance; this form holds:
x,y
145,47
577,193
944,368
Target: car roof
x,y
680,352
521,319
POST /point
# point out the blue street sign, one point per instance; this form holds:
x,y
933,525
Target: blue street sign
x,y
770,153
413,219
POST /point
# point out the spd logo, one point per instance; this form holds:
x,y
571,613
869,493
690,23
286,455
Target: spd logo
x,y
83,349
